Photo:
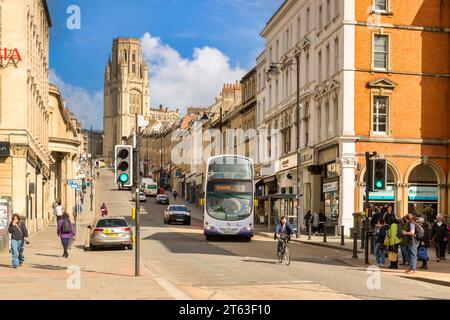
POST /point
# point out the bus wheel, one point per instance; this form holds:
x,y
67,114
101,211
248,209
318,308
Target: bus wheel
x,y
208,238
248,239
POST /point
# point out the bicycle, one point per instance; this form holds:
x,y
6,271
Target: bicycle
x,y
285,254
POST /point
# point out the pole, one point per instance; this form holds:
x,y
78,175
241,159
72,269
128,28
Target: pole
x,y
355,244
92,172
299,172
367,208
138,215
342,236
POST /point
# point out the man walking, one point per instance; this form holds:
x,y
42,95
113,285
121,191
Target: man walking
x,y
414,233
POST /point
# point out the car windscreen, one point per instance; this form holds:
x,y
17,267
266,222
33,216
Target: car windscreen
x,y
178,208
111,223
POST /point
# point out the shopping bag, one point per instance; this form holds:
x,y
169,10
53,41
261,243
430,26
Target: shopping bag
x,y
393,256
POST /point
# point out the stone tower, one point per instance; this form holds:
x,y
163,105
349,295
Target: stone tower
x,y
126,93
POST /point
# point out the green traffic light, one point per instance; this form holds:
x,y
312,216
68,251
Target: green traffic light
x,y
123,178
379,184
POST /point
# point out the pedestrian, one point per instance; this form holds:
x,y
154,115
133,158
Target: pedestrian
x,y
380,236
404,248
439,235
19,236
307,221
424,243
389,215
392,241
322,220
174,193
376,217
66,232
59,210
413,233
315,222
104,210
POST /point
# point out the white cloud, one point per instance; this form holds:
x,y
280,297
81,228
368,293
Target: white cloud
x,y
179,82
87,106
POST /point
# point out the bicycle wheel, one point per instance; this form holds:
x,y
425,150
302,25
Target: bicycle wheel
x,y
287,256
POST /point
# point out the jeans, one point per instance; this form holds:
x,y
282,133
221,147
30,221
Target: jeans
x,y
406,257
17,247
379,253
413,251
65,243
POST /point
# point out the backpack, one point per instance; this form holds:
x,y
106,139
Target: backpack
x,y
419,231
67,226
399,231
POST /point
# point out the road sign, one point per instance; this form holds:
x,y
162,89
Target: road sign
x,y
74,183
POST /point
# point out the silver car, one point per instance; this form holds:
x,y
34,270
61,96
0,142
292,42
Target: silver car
x,y
110,232
177,213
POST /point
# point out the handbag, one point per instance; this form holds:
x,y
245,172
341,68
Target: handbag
x,y
393,256
422,254
386,241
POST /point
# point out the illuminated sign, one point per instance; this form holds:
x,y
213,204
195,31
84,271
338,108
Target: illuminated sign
x,y
9,57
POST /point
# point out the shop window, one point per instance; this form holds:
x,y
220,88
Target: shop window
x,y
423,192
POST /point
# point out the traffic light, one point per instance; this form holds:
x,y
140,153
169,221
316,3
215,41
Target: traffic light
x,y
379,176
124,165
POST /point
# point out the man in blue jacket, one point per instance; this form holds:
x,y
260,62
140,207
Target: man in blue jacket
x,y
282,229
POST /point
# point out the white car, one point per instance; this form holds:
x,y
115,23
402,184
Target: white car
x,y
142,196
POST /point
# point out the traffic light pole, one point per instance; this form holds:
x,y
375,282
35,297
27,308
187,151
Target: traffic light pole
x,y
138,215
367,231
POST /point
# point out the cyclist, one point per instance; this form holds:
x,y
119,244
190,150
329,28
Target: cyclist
x,y
283,232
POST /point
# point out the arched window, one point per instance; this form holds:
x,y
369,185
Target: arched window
x,y
125,55
133,59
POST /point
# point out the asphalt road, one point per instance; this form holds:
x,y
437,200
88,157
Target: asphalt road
x,y
187,266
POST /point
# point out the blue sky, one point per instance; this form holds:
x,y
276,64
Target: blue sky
x,y
182,40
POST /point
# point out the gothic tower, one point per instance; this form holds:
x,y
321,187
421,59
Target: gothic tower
x,y
126,93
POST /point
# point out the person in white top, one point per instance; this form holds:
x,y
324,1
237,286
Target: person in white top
x,y
59,210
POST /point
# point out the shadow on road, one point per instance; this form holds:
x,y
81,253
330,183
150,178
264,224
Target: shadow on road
x,y
48,255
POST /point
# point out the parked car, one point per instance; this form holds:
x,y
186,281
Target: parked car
x,y
177,213
162,199
110,232
142,196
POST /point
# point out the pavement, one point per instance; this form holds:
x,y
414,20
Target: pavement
x,y
178,263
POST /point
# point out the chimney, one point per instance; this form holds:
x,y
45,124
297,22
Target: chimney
x,y
160,107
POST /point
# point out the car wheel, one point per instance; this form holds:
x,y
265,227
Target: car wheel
x,y
208,238
93,248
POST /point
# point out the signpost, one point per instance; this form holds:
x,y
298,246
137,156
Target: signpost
x,y
76,185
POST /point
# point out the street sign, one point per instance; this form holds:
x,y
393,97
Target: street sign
x,y
74,183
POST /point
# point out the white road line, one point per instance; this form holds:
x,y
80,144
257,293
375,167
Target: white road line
x,y
176,293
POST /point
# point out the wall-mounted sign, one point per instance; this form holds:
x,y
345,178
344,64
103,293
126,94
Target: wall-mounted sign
x,y
386,195
423,193
289,162
307,157
331,186
5,149
9,57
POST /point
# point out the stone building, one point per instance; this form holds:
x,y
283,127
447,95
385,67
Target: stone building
x,y
126,93
24,90
92,142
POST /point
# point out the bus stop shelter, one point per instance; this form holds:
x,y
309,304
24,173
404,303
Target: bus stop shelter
x,y
288,209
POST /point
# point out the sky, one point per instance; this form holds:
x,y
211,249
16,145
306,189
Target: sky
x,y
192,47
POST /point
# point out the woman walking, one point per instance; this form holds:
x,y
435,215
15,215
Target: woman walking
x,y
19,236
424,244
65,232
439,235
104,210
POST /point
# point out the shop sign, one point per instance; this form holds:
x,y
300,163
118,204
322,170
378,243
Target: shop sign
x,y
9,57
289,162
386,195
423,193
3,211
331,186
307,157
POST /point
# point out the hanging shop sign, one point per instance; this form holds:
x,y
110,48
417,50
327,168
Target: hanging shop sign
x,y
4,149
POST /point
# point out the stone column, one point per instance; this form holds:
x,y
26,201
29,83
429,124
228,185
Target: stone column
x,y
19,181
347,193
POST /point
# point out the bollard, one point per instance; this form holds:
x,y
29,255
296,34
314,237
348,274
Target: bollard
x,y
363,236
366,249
372,242
342,236
355,245
309,232
324,233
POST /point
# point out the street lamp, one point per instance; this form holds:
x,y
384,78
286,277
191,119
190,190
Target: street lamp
x,y
275,71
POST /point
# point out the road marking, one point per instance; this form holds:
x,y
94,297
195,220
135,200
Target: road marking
x,y
176,293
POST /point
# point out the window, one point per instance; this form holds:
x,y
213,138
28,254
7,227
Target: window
x,y
288,44
328,61
328,11
319,66
381,5
286,135
277,50
133,59
276,91
299,29
327,119
270,96
270,55
380,51
320,17
336,54
380,114
336,109
306,125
